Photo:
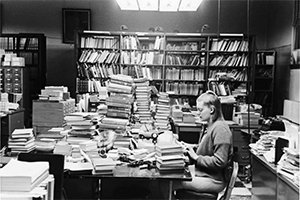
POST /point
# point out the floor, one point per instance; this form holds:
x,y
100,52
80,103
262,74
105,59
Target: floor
x,y
241,190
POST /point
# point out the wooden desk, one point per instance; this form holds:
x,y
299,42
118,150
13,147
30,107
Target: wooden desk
x,y
131,178
267,184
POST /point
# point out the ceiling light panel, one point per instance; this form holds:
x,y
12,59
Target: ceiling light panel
x,y
189,5
148,5
128,4
168,5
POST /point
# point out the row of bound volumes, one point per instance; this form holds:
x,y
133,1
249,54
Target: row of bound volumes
x,y
92,56
229,45
29,43
184,74
220,89
265,58
186,46
229,60
97,70
134,42
183,88
105,42
7,43
142,58
236,75
185,59
88,85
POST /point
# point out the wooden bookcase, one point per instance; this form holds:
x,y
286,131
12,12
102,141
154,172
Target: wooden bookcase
x,y
31,46
263,83
182,64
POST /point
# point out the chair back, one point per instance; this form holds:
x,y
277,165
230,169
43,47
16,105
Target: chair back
x,y
231,182
56,167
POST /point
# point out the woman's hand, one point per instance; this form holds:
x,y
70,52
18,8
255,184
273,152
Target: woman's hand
x,y
192,154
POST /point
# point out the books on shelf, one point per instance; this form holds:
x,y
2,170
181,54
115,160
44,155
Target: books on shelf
x,y
108,42
18,175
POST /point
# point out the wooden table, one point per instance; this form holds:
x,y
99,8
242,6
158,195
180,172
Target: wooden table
x,y
126,176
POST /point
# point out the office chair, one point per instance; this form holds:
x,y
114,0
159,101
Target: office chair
x,y
182,194
56,167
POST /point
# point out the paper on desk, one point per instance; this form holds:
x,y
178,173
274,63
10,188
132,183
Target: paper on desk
x,y
270,155
79,166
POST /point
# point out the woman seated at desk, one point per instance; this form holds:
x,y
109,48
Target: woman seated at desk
x,y
214,151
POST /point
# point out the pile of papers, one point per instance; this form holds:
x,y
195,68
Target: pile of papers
x,y
19,176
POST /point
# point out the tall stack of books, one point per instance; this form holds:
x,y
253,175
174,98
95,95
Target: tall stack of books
x,y
103,165
119,102
170,158
142,93
22,140
162,111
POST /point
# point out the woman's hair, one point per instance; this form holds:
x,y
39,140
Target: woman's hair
x,y
210,99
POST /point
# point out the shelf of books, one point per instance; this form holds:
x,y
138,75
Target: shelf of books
x,y
263,83
229,65
185,66
32,47
180,64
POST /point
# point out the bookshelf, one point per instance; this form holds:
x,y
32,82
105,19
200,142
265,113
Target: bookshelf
x,y
31,46
229,65
182,64
263,83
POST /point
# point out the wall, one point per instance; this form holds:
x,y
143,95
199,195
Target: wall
x,y
279,32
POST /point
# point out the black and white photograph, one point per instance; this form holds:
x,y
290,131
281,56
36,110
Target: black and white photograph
x,y
149,99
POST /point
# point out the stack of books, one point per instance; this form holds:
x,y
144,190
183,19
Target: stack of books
x,y
248,119
119,103
54,93
143,92
117,124
122,141
22,140
21,176
80,125
162,111
170,158
104,166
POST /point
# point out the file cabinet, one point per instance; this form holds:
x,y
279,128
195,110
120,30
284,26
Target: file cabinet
x,y
9,123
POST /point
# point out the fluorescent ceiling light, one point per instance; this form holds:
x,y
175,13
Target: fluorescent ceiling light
x,y
148,5
168,5
189,5
159,5
128,4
